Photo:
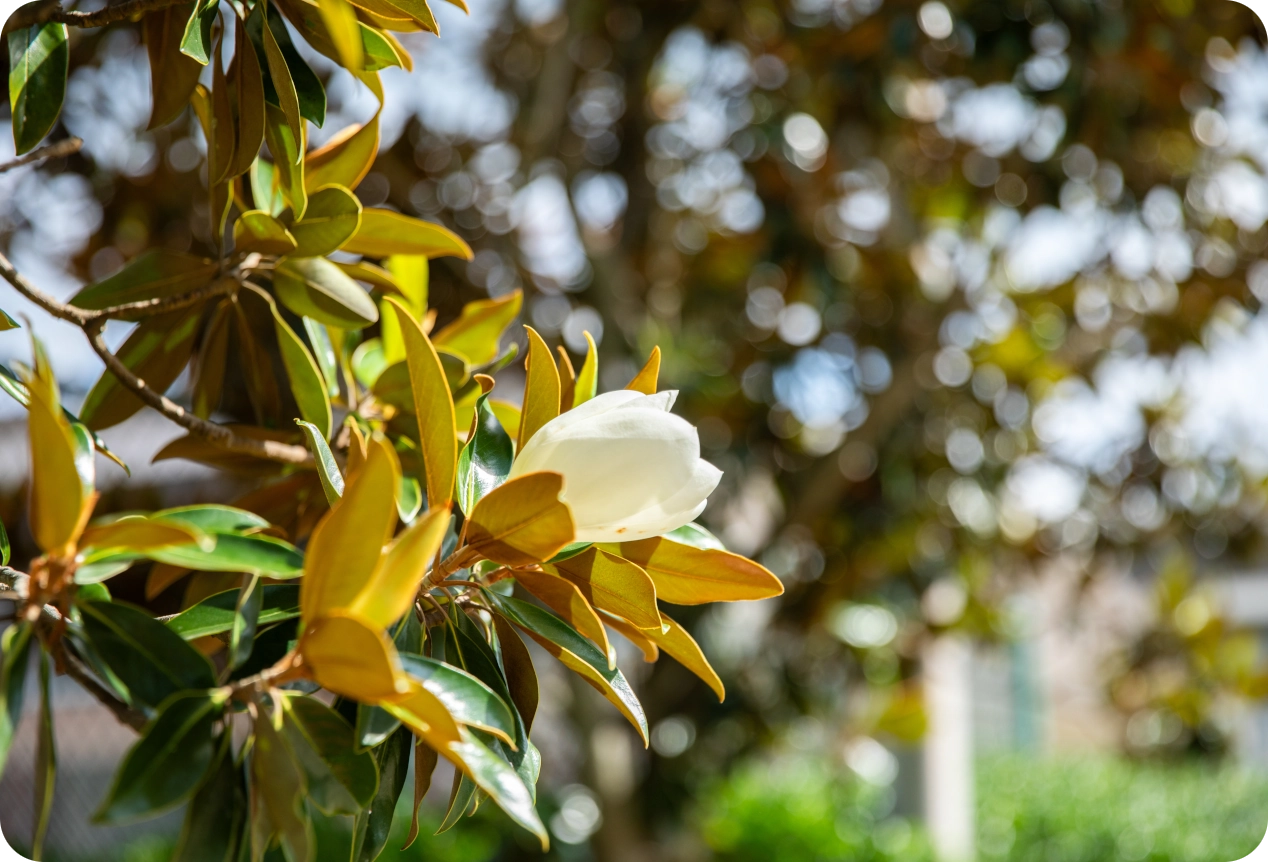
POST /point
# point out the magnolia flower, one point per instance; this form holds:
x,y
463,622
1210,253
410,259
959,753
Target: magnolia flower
x,y
631,468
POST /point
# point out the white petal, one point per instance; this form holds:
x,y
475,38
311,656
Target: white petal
x,y
656,520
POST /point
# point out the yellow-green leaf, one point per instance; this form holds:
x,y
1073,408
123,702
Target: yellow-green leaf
x,y
331,218
352,658
346,545
613,585
541,388
287,148
256,230
344,29
283,84
433,404
139,533
393,586
409,276
475,334
384,233
61,487
646,379
307,384
522,521
588,378
314,287
684,575
346,158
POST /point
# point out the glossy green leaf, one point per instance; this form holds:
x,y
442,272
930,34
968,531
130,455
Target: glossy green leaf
x,y
697,537
485,461
39,61
164,766
460,801
4,546
307,384
469,700
332,217
578,654
264,181
409,498
45,761
308,88
157,352
7,322
257,555
15,651
246,620
216,816
155,274
196,42
339,779
324,352
149,659
504,785
215,614
327,469
371,827
287,148
368,362
215,518
314,287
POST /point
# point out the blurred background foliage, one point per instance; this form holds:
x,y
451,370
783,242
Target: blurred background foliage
x,y
954,291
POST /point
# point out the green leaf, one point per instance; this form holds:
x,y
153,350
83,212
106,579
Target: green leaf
x,y
264,179
154,274
215,518
103,565
464,790
571,551
308,88
45,762
257,555
157,352
246,620
215,818
196,42
576,652
324,353
7,322
93,593
287,147
697,537
331,219
496,777
39,61
15,644
314,287
340,780
307,384
149,659
409,498
468,699
277,797
166,764
371,827
485,461
4,546
215,614
327,469
368,362
257,230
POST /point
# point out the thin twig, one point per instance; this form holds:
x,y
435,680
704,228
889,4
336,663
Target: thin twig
x,y
51,11
91,322
68,147
162,305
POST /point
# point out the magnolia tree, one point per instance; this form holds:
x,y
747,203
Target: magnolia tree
x,y
367,603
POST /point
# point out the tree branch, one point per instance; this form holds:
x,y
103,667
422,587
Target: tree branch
x,y
154,307
51,11
68,147
91,322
